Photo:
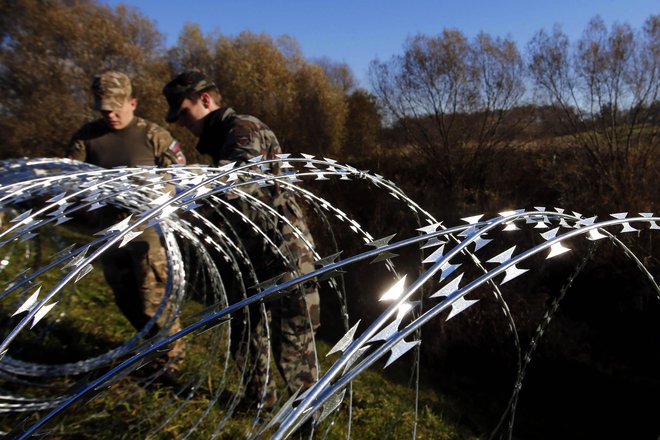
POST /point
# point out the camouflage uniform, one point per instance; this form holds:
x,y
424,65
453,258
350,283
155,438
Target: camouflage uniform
x,y
136,272
229,137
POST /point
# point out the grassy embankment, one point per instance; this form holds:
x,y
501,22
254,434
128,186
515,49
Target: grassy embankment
x,y
86,323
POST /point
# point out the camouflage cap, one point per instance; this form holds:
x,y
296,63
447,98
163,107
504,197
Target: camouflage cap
x,y
111,89
182,87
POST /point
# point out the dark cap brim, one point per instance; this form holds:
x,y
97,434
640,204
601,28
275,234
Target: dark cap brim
x,y
172,115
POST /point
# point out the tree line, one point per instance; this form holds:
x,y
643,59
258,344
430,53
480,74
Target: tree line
x,y
481,120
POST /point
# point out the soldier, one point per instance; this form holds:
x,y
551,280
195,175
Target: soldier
x,y
136,272
195,102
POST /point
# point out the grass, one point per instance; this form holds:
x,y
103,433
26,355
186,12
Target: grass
x,y
87,323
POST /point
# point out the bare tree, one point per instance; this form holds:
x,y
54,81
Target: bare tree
x,y
606,86
451,97
339,74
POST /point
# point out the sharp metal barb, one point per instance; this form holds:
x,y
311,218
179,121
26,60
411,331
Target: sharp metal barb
x,y
331,405
481,242
87,269
435,256
552,233
27,305
503,257
387,332
381,242
627,228
459,306
117,227
472,220
511,273
448,288
41,313
432,242
400,349
24,216
556,249
384,256
587,221
326,261
430,228
355,356
330,274
130,235
267,283
448,269
345,341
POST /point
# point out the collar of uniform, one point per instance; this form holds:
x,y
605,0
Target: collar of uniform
x,y
215,129
226,113
217,117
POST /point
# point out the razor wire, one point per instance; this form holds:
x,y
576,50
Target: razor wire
x,y
39,197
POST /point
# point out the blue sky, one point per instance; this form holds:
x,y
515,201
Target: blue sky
x,y
359,31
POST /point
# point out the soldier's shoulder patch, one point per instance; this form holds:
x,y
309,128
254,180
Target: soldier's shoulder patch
x,y
243,139
242,135
176,153
172,155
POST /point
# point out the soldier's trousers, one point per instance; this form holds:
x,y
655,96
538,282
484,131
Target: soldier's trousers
x,y
292,322
291,319
137,274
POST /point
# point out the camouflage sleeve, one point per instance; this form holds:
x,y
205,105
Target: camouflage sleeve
x,y
167,150
76,149
242,144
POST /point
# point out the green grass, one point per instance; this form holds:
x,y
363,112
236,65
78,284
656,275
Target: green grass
x,y
86,323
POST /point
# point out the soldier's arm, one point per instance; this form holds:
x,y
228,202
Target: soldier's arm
x,y
167,150
76,148
242,144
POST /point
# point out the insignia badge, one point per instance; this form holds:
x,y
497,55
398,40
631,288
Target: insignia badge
x,y
243,140
175,148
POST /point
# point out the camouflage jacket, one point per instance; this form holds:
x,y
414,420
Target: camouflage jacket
x,y
140,143
229,137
